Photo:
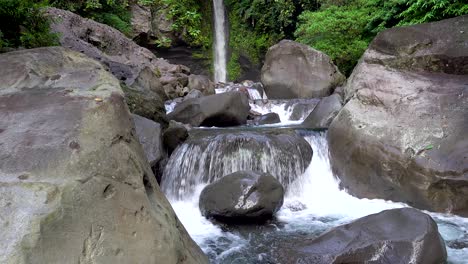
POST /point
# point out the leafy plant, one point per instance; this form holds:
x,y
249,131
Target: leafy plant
x,y
22,23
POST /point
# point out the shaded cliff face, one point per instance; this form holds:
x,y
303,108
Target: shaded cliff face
x,y
402,133
75,186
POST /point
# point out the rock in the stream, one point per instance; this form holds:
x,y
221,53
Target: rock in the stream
x,y
270,118
294,70
174,135
393,236
75,186
149,135
137,68
201,83
244,196
221,110
402,135
324,113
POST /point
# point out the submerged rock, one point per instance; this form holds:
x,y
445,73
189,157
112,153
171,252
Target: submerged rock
x,y
402,135
221,110
393,236
243,196
270,118
294,70
75,186
324,113
210,154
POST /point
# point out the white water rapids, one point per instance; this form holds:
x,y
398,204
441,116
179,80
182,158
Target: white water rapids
x,y
326,206
220,63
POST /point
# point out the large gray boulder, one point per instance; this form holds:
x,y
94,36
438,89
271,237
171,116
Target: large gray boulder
x,y
244,196
139,70
393,236
294,70
403,133
324,113
221,110
75,186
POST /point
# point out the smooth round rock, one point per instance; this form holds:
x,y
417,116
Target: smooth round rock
x,y
242,196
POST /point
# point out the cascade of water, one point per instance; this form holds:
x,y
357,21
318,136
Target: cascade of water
x,y
325,205
289,111
220,41
205,159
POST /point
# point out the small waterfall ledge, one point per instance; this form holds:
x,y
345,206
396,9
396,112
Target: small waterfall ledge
x,y
220,49
205,158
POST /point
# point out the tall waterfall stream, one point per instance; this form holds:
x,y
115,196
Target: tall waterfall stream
x,y
220,48
316,190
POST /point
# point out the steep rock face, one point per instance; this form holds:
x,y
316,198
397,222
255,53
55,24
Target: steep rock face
x,y
75,186
393,236
403,133
293,70
137,68
324,113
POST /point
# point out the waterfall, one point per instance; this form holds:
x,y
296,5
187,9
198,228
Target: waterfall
x,y
220,41
203,160
324,206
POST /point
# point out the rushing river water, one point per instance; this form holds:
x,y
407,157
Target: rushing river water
x,y
313,204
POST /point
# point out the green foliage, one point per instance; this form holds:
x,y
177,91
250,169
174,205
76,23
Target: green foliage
x,y
189,18
421,11
338,31
22,23
343,29
270,17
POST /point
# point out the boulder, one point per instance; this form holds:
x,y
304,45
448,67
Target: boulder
x,y
201,83
149,135
174,135
402,134
141,22
324,113
393,236
293,70
139,70
75,186
209,154
242,196
270,118
226,109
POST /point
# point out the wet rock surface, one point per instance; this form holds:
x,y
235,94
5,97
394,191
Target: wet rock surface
x,y
75,186
220,110
393,236
402,133
244,196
